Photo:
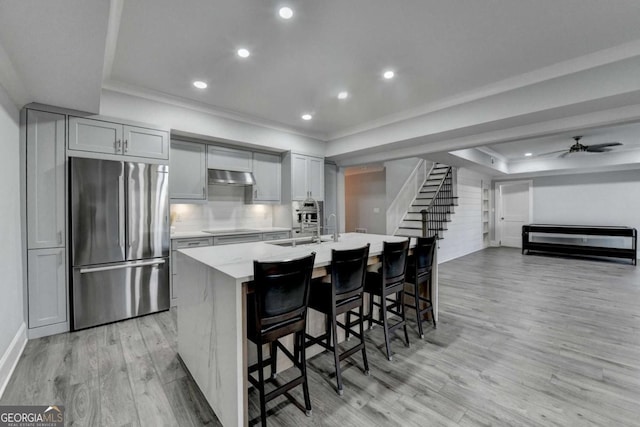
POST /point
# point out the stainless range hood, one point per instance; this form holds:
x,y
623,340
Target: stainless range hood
x,y
218,176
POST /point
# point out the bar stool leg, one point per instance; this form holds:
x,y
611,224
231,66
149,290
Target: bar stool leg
x,y
364,349
416,295
385,326
274,360
433,315
370,311
303,364
263,407
336,356
403,310
347,337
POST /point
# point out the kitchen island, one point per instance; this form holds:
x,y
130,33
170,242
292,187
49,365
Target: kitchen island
x,y
214,282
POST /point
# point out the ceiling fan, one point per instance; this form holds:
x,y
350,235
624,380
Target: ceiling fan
x,y
581,148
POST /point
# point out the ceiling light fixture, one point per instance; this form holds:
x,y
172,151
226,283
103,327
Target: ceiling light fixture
x,y
343,95
200,84
528,154
307,117
243,53
285,12
388,74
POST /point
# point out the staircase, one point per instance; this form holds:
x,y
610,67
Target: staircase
x,y
434,204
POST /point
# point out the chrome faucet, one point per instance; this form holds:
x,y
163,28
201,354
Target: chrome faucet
x,y
335,226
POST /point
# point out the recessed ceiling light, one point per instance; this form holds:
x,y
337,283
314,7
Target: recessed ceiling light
x,y
243,53
388,74
307,117
200,84
343,95
285,12
528,154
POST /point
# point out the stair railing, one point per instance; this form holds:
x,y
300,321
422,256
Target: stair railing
x,y
406,196
438,209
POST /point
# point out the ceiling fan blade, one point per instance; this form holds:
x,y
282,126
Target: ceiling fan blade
x,y
551,152
596,147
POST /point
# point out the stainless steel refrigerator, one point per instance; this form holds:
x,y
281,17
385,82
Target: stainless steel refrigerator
x,y
119,240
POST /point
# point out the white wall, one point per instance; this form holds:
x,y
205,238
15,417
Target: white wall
x,y
224,210
365,202
397,172
464,234
206,125
12,320
606,198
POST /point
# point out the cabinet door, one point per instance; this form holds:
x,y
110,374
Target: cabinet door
x,y
267,171
315,177
144,142
299,189
228,159
188,171
95,135
47,287
45,179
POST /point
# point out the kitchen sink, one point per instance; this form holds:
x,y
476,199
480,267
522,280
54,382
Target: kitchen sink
x,y
292,243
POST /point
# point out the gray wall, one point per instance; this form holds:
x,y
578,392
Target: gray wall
x,y
364,194
11,304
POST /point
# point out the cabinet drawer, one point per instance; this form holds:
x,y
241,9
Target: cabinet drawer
x,y
242,238
191,243
276,235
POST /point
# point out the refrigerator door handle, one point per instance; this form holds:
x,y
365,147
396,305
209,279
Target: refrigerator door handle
x,y
121,212
121,266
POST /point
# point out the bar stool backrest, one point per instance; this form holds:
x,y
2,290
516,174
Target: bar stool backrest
x,y
394,262
348,271
423,254
282,290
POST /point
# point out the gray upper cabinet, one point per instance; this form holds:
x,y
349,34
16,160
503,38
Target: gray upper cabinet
x,y
229,159
267,171
99,136
188,171
307,177
47,287
96,136
45,182
143,142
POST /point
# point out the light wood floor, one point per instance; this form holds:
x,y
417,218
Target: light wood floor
x,y
521,341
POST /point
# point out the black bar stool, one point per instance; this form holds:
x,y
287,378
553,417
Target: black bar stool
x,y
388,281
341,295
277,308
419,273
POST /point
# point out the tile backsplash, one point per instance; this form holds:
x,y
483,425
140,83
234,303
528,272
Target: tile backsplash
x,y
225,209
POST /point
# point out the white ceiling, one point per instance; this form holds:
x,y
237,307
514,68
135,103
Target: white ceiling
x,y
468,73
437,48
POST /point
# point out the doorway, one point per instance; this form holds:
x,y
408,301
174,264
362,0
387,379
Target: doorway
x,y
515,209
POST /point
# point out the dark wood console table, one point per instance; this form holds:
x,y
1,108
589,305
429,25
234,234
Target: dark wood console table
x,y
576,249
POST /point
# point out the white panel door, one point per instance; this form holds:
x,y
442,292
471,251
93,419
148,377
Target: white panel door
x,y
47,287
188,171
142,142
514,210
95,135
45,179
315,178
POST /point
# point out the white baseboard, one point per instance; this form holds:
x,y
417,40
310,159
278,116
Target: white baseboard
x,y
10,357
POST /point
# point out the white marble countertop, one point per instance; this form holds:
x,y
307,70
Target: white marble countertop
x,y
237,260
224,232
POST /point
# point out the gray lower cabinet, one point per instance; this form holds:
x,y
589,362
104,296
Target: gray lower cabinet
x,y
188,172
237,238
101,136
47,287
45,180
276,235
